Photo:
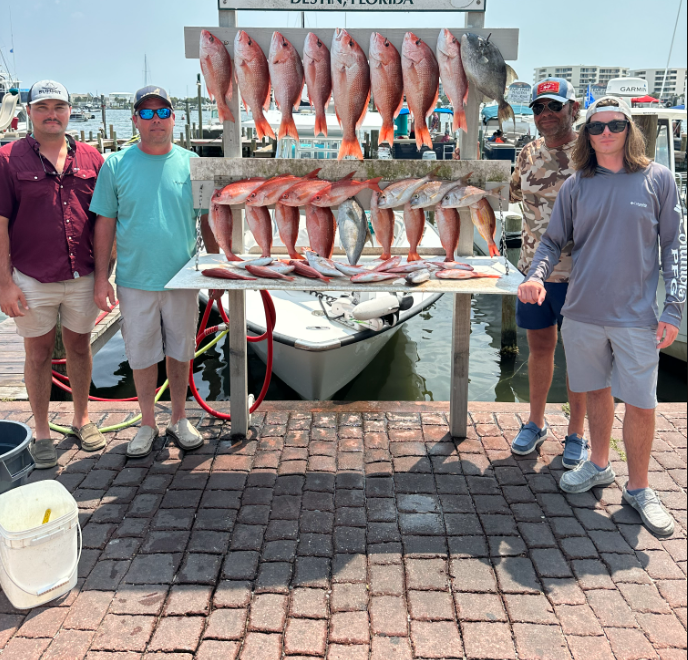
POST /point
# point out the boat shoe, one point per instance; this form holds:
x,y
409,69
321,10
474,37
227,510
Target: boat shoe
x,y
185,435
585,477
142,443
44,454
90,437
655,516
575,451
529,438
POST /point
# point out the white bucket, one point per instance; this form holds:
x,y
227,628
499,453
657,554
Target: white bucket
x,y
38,561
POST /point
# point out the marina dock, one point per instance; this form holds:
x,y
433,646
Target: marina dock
x,y
12,353
359,531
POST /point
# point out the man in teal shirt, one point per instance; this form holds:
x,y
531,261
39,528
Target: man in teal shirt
x,y
143,198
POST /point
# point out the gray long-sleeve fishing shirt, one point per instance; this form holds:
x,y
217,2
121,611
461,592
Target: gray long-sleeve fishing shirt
x,y
615,221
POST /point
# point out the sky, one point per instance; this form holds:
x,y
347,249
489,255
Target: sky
x,y
100,46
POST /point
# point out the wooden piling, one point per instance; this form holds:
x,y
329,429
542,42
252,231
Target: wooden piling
x,y
512,228
199,86
82,136
374,138
102,111
115,145
187,132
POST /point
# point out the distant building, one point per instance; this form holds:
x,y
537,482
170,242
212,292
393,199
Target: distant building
x,y
81,98
675,82
580,76
120,98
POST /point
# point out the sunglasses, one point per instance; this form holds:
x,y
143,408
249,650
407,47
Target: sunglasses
x,y
554,106
147,113
615,126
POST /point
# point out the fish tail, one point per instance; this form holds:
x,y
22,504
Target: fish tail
x,y
460,122
423,136
385,255
350,147
374,184
288,128
320,124
414,256
494,250
505,111
387,133
295,255
224,113
263,128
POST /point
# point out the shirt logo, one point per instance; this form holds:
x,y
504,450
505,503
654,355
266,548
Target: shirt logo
x,y
550,86
639,204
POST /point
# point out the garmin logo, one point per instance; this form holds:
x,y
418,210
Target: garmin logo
x,y
631,90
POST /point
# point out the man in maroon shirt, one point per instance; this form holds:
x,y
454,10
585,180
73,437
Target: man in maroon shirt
x,y
46,258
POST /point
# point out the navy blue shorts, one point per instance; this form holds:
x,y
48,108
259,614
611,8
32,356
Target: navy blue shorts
x,y
538,317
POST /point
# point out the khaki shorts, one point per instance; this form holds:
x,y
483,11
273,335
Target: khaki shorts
x,y
71,299
156,324
625,359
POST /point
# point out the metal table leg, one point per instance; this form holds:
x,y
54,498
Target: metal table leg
x,y
238,367
461,335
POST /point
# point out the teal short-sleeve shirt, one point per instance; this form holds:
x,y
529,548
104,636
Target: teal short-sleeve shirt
x,y
151,198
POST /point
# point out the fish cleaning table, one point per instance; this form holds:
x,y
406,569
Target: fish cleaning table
x,y
208,174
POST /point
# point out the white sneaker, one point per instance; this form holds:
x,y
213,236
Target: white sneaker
x,y
142,443
654,514
585,477
185,435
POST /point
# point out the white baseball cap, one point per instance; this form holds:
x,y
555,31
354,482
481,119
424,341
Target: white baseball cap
x,y
45,90
619,106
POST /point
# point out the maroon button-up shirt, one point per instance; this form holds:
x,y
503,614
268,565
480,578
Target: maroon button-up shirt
x,y
50,228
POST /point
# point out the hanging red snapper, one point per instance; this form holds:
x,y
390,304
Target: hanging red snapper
x,y
253,76
449,226
286,74
414,221
321,226
453,76
260,224
270,192
386,83
287,219
236,193
302,191
421,84
220,221
339,191
484,219
351,88
383,226
216,66
317,71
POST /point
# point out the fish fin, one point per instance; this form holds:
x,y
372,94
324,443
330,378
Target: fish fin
x,y
401,105
350,175
511,75
460,122
320,124
210,94
387,134
414,256
431,109
505,111
313,174
374,184
266,105
365,111
298,98
224,113
263,128
336,114
288,128
423,136
350,147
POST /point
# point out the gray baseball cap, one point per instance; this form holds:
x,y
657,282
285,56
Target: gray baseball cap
x,y
619,106
45,90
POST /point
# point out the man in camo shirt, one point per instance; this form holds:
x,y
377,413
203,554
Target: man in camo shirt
x,y
542,167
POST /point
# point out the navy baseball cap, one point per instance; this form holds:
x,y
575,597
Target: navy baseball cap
x,y
554,88
151,92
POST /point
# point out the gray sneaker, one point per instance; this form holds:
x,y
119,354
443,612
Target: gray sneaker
x,y
585,477
185,435
44,454
142,443
655,516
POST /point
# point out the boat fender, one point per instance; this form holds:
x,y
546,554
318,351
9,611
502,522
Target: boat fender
x,y
391,319
342,307
376,308
406,303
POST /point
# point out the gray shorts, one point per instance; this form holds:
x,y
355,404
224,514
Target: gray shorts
x,y
156,324
625,359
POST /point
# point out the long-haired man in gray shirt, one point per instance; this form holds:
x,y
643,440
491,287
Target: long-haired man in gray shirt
x,y
616,208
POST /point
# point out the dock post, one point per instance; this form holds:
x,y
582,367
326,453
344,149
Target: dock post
x,y
82,136
374,140
194,133
115,146
133,125
103,113
238,367
101,144
90,136
199,86
187,133
512,229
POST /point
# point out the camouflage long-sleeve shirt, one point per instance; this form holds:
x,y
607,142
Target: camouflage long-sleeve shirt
x,y
538,176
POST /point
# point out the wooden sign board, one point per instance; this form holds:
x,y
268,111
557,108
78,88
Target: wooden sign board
x,y
506,39
355,6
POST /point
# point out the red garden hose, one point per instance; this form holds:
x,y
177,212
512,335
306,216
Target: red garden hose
x,y
60,380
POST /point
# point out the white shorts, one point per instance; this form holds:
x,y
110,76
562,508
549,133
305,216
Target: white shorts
x,y
156,324
72,300
625,359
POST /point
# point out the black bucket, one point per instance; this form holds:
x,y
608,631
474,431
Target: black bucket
x,y
16,462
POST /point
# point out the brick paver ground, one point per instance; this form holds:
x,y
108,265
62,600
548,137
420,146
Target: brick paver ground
x,y
359,532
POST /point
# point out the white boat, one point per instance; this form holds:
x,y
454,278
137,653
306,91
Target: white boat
x,y
317,354
79,115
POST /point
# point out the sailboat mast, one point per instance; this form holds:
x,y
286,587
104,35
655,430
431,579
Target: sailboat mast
x,y
671,48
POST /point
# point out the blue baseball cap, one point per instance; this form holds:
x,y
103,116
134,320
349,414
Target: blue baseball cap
x,y
554,88
151,92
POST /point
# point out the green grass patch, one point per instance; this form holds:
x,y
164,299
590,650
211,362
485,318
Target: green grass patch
x,y
617,446
566,409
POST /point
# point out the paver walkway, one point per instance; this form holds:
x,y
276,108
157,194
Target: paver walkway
x,y
360,532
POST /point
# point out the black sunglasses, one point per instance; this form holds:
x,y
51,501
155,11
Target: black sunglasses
x,y
554,106
615,126
147,113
